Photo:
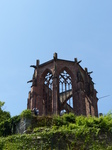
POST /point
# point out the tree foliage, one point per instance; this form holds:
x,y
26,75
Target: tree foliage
x,y
26,113
4,115
68,132
1,104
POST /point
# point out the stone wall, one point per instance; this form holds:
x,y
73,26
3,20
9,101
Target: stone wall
x,y
22,126
84,94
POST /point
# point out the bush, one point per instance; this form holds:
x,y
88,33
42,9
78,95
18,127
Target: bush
x,y
58,121
5,128
69,118
62,132
26,114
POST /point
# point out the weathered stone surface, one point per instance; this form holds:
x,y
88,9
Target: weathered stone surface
x,y
22,126
47,86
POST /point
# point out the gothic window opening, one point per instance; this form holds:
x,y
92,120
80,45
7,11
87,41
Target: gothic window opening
x,y
65,92
47,93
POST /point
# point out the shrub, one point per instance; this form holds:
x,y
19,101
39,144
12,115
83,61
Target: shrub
x,y
58,121
26,114
69,118
5,128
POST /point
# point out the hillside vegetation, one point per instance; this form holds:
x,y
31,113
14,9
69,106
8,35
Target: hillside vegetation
x,y
67,132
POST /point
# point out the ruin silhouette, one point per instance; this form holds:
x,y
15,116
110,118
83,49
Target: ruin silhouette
x,y
60,86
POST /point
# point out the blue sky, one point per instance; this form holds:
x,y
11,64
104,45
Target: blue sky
x,y
35,29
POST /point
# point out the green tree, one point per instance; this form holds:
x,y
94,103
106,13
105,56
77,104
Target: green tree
x,y
1,104
4,115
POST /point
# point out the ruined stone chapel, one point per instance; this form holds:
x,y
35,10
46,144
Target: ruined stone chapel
x,y
62,86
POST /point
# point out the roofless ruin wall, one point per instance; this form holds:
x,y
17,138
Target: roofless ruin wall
x,y
62,86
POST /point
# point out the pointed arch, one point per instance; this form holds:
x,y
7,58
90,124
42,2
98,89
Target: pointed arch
x,y
47,91
65,90
67,70
45,72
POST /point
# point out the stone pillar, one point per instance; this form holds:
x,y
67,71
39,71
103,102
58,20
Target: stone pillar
x,y
55,96
82,107
96,108
81,99
95,103
55,56
40,98
87,106
92,107
37,63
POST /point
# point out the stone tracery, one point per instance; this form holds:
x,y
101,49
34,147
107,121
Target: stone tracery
x,y
62,85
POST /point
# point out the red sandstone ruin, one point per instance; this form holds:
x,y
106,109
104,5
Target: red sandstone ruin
x,y
62,86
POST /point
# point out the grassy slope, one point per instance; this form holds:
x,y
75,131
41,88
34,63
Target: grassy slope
x,y
65,133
